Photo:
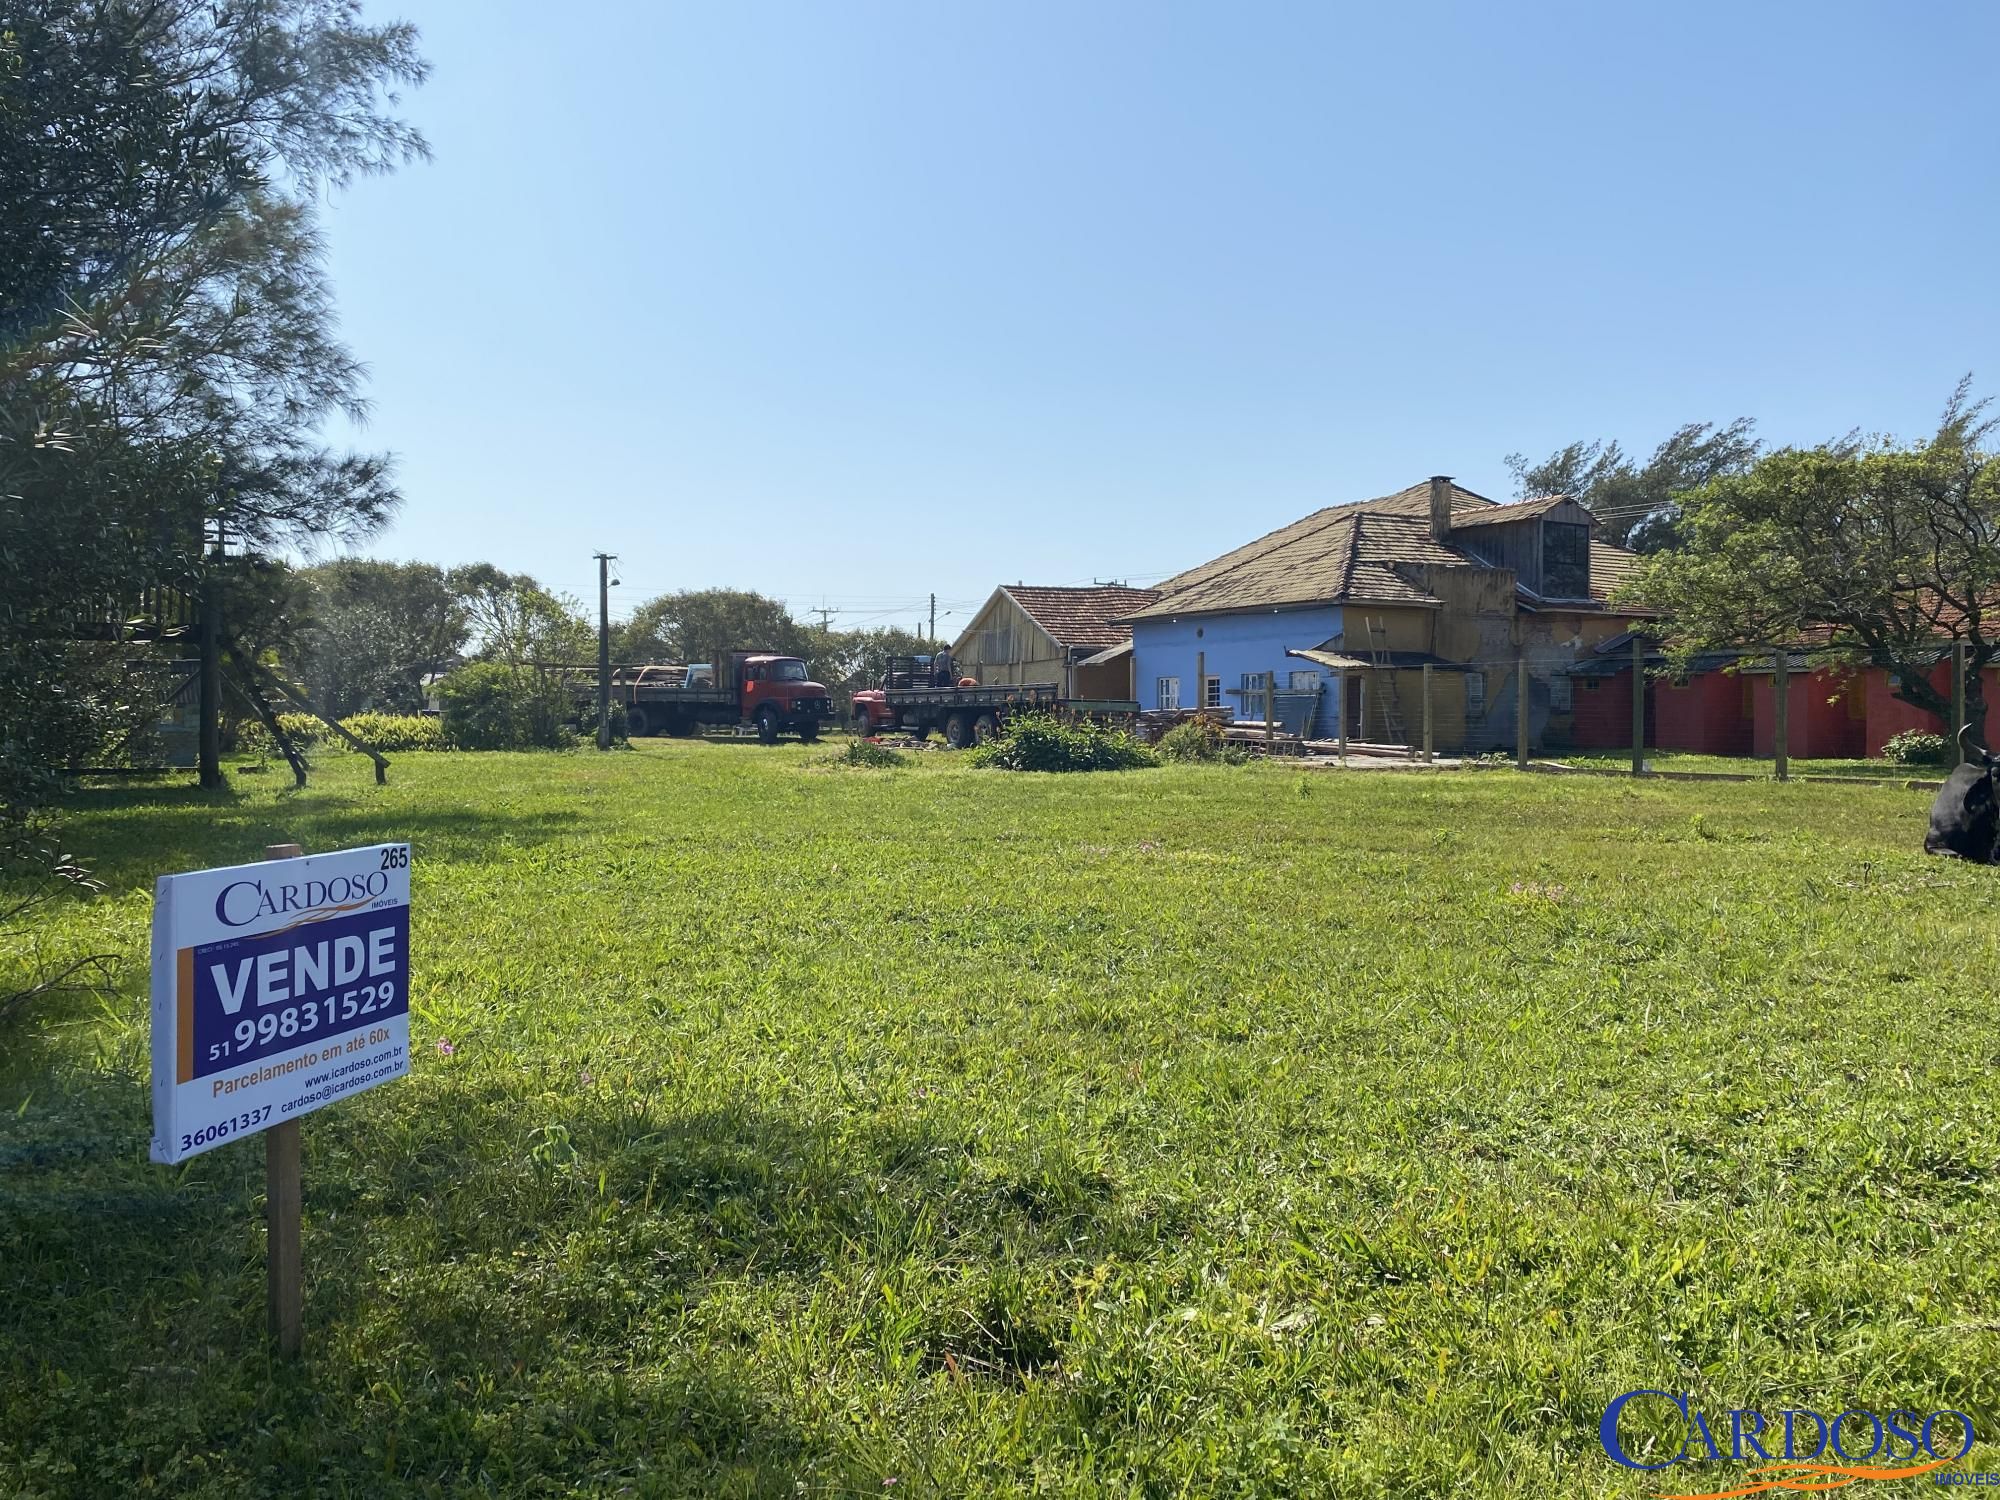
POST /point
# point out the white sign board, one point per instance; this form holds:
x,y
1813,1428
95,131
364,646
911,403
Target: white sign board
x,y
278,987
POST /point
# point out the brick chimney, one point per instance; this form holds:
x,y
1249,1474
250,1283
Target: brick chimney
x,y
1441,507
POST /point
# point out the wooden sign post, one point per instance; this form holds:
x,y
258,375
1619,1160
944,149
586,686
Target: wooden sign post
x,y
285,1285
1270,713
278,988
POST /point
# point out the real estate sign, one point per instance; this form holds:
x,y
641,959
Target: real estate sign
x,y
278,988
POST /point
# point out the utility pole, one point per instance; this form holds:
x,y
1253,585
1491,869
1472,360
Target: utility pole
x,y
604,650
825,616
933,635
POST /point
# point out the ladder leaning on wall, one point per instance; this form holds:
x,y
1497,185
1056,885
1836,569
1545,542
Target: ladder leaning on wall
x,y
1385,672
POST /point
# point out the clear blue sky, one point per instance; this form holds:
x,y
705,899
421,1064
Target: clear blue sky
x,y
849,302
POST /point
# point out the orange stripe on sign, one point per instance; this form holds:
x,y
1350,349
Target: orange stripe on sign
x,y
184,998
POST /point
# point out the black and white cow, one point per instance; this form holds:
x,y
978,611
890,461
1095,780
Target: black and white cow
x,y
1965,818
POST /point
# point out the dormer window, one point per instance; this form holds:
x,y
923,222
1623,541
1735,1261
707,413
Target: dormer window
x,y
1565,560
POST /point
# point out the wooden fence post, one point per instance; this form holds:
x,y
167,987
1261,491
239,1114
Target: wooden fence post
x,y
1957,700
1781,713
1521,709
1270,713
1343,714
1638,705
284,1266
1200,682
1430,753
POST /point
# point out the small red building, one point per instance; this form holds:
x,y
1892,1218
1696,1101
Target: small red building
x,y
1724,705
1706,712
1828,718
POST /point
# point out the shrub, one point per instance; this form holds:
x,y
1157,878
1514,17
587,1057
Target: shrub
x,y
1913,747
869,754
489,706
304,731
1200,739
1041,742
386,732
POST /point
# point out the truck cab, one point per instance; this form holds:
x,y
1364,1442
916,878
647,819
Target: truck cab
x,y
778,695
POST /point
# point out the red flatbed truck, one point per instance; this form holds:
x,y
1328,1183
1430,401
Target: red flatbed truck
x,y
767,690
964,712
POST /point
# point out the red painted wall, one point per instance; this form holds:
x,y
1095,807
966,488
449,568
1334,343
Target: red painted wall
x,y
1889,715
1828,711
1706,715
1601,713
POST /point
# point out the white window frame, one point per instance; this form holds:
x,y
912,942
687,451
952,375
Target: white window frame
x,y
1303,682
1253,696
1167,693
1212,693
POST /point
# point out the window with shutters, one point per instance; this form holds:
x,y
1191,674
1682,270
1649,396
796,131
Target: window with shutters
x,y
1167,692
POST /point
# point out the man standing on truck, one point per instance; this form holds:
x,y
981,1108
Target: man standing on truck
x,y
944,672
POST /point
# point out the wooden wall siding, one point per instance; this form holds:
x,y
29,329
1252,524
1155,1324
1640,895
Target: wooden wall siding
x,y
1003,645
1113,680
1517,545
1040,669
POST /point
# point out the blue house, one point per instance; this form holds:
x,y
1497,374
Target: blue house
x,y
1349,606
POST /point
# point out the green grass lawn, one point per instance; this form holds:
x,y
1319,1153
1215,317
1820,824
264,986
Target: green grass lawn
x,y
1744,765
1200,1131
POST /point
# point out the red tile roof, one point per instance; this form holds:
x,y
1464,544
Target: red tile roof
x,y
1081,616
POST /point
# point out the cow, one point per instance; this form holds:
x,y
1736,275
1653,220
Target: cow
x,y
1965,818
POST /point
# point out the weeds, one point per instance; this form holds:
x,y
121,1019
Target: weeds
x,y
1200,739
867,755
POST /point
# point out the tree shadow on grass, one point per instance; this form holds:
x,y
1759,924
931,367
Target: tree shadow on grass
x,y
218,829
504,1292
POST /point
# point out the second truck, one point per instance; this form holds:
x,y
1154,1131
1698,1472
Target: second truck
x,y
912,701
765,690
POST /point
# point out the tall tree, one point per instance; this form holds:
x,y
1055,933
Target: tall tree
x,y
373,631
1873,552
1636,504
696,623
166,332
517,622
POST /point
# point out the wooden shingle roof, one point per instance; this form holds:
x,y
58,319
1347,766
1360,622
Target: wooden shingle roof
x,y
1367,551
